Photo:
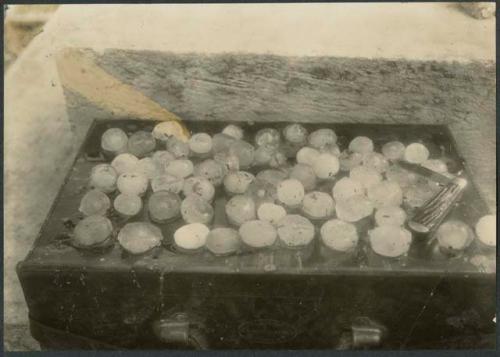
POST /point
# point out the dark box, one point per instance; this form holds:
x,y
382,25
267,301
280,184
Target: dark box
x,y
110,300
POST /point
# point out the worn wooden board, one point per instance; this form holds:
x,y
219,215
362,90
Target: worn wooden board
x,y
249,87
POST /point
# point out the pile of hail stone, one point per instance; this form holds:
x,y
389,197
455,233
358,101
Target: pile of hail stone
x,y
282,187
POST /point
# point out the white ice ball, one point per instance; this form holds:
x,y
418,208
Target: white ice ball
x,y
200,143
347,187
416,153
318,205
181,168
486,229
339,235
103,177
361,144
132,183
307,155
326,166
290,192
271,212
124,163
191,236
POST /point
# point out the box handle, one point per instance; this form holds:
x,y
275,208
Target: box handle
x,y
181,328
366,333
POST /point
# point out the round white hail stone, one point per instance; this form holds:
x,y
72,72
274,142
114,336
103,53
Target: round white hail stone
x,y
345,188
94,202
258,234
103,177
290,192
295,133
223,241
132,183
191,236
326,166
181,168
454,235
199,186
416,153
212,170
139,237
141,143
127,205
361,144
295,230
486,229
390,241
168,129
124,163
233,131
237,182
321,137
114,140
268,136
354,208
339,235
307,155
317,205
163,206
271,212
200,143
178,148
393,150
195,209
92,230
240,209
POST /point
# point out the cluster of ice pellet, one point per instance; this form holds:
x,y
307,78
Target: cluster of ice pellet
x,y
276,185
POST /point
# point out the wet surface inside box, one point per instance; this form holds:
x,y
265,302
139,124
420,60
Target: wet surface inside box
x,y
260,298
423,256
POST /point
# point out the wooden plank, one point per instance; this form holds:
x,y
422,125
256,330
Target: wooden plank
x,y
252,87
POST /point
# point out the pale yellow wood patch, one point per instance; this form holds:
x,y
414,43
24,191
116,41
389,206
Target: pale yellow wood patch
x,y
79,73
